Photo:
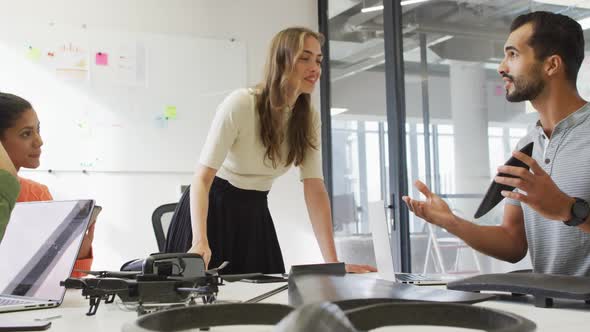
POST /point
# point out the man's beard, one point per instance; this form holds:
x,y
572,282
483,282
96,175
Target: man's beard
x,y
525,89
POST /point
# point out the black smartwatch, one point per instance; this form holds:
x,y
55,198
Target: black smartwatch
x,y
580,212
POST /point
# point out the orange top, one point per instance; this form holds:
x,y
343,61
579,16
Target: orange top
x,y
32,191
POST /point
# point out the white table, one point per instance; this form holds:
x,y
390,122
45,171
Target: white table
x,y
567,316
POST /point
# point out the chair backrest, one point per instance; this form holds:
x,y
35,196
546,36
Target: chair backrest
x,y
161,221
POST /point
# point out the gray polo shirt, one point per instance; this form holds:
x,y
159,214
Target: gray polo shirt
x,y
554,247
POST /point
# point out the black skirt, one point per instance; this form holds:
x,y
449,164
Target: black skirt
x,y
239,228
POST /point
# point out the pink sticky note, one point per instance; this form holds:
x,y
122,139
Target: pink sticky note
x,y
102,59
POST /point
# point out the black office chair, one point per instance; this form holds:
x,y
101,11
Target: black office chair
x,y
161,221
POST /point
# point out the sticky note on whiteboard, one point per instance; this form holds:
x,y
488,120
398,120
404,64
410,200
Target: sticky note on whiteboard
x,y
34,54
170,112
160,122
102,59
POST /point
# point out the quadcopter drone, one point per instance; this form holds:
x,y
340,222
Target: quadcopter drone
x,y
159,279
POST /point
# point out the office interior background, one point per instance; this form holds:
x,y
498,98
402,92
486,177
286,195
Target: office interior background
x,y
457,124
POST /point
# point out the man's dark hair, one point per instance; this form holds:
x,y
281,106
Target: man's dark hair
x,y
555,34
11,108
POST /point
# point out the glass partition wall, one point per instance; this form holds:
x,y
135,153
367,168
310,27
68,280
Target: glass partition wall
x,y
458,125
360,166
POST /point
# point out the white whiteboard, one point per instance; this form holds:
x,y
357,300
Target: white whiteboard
x,y
113,118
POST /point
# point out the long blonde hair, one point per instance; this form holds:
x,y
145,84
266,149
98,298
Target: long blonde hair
x,y
285,48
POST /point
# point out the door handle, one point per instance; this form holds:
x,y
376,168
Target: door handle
x,y
391,206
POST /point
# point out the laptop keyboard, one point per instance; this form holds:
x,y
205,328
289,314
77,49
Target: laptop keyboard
x,y
11,301
411,277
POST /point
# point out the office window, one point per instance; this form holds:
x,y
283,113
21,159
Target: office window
x,y
451,53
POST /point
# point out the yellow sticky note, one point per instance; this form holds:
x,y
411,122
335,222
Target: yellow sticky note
x,y
170,112
34,54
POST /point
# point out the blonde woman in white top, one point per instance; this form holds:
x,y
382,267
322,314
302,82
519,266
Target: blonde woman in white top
x,y
256,136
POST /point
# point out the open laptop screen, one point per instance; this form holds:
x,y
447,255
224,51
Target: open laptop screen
x,y
40,247
381,240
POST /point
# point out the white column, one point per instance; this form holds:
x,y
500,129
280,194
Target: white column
x,y
470,125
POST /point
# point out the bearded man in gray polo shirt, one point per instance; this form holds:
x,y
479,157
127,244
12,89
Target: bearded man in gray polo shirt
x,y
548,212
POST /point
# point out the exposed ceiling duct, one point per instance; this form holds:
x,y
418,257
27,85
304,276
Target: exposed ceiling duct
x,y
450,27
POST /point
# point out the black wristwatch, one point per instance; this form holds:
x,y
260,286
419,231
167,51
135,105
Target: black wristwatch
x,y
580,212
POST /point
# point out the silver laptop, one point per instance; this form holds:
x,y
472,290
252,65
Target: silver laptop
x,y
39,249
383,255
